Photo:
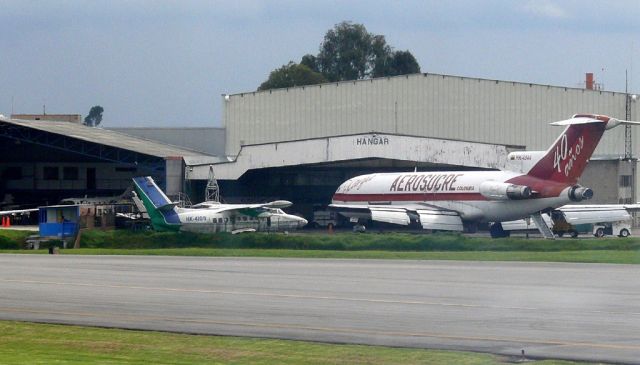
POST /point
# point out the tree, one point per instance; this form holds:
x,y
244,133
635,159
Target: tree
x,y
292,74
348,52
401,63
381,53
95,116
310,61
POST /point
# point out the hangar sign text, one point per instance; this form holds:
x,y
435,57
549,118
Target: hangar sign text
x,y
371,140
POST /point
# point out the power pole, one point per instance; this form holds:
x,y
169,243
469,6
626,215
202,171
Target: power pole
x,y
628,153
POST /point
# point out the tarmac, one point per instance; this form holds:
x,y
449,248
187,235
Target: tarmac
x,y
550,310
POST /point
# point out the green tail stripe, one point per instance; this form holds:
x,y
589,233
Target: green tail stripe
x,y
157,219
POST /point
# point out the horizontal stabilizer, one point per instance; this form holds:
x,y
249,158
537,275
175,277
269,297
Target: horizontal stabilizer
x,y
587,119
578,120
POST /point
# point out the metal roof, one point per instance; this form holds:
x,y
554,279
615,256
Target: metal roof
x,y
104,137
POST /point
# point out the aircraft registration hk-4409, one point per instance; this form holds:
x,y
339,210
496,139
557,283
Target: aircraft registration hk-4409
x,y
210,217
459,200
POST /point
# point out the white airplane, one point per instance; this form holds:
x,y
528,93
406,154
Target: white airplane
x,y
455,200
565,218
18,211
100,200
210,217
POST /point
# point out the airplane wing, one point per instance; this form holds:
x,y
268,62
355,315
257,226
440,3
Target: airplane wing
x,y
252,209
18,211
430,217
595,214
580,214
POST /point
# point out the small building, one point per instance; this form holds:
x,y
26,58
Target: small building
x,y
64,222
59,221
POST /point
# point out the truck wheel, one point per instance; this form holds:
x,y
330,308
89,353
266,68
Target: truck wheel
x,y
573,234
599,232
624,232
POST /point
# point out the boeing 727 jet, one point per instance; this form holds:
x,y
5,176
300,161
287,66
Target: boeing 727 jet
x,y
459,200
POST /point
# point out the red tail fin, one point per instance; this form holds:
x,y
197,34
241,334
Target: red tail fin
x,y
568,156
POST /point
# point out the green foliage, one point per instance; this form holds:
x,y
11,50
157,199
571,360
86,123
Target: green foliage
x,y
291,75
310,61
95,116
350,52
398,63
346,242
347,52
13,239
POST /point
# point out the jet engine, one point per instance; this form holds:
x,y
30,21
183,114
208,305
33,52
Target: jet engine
x,y
494,190
579,193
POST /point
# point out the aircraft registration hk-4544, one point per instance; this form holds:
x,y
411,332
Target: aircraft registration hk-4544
x,y
210,217
459,200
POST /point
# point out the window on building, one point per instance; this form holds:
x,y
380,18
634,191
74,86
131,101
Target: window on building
x,y
625,180
12,173
50,173
70,173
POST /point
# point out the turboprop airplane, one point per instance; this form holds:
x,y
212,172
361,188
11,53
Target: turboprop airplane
x,y
458,200
210,217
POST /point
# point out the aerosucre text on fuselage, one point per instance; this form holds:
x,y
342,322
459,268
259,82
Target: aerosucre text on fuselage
x,y
427,183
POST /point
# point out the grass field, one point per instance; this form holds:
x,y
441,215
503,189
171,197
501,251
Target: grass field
x,y
30,343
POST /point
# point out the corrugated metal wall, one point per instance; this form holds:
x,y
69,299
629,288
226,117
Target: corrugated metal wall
x,y
207,140
428,105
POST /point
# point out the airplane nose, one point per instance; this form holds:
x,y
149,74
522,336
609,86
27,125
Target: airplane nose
x,y
302,222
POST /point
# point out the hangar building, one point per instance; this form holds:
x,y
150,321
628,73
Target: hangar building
x,y
300,143
304,141
43,161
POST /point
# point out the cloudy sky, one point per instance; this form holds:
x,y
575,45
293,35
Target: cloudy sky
x,y
166,63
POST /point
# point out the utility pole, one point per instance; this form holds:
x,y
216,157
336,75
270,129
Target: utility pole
x,y
628,153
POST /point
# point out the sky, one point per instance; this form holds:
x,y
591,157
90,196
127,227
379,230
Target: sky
x,y
168,63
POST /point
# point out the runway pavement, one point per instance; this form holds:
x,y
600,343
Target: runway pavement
x,y
572,311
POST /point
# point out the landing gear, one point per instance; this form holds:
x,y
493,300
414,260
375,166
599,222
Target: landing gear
x,y
497,231
599,232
